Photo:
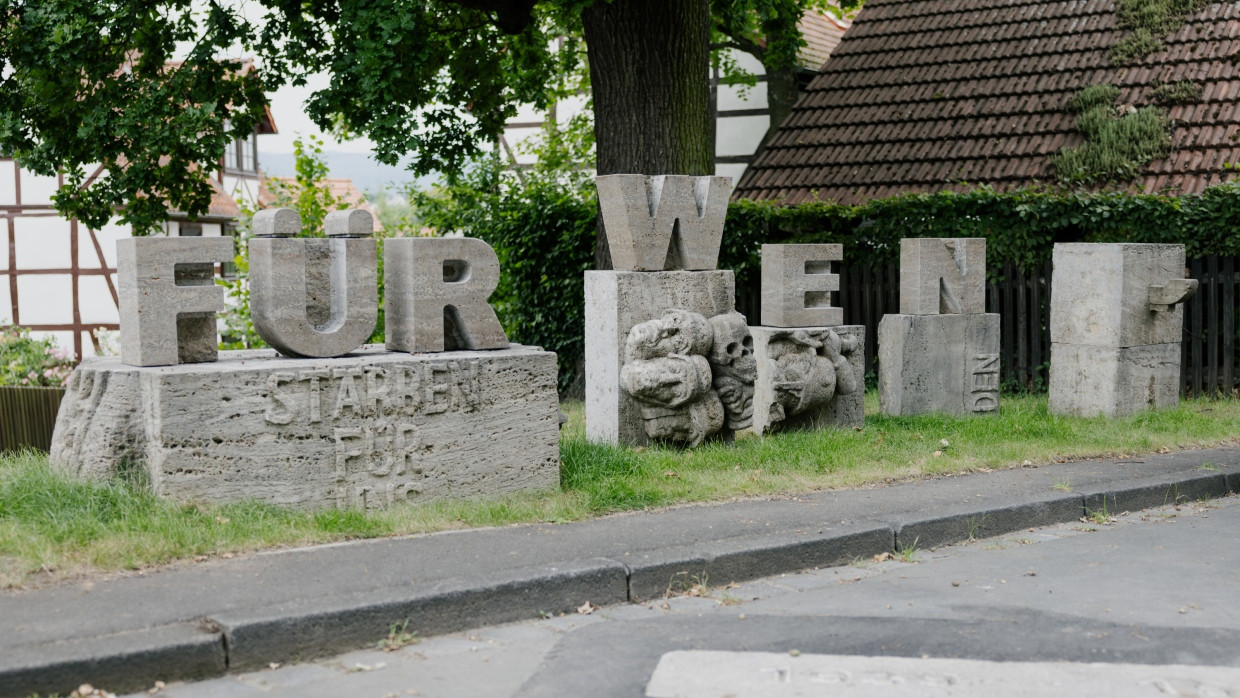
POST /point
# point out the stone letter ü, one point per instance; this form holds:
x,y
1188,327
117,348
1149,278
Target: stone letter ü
x,y
309,296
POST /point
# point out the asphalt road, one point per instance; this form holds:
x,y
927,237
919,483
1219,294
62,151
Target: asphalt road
x,y
1141,605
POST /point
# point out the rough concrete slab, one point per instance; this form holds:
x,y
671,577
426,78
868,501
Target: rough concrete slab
x,y
1101,294
124,661
258,636
616,301
1087,380
938,363
708,674
633,649
368,429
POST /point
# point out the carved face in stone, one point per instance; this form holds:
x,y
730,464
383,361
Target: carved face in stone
x,y
677,332
669,381
687,426
809,370
732,351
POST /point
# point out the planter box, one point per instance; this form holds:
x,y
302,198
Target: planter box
x,y
28,416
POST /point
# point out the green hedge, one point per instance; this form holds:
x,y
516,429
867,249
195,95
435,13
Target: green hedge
x,y
1020,227
545,238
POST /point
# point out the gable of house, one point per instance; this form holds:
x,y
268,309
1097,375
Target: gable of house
x,y
927,95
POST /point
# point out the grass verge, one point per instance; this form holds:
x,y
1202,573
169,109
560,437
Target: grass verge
x,y
54,527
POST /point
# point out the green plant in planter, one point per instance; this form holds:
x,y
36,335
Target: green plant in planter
x,y
25,360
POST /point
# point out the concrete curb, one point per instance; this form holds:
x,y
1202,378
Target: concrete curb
x,y
801,534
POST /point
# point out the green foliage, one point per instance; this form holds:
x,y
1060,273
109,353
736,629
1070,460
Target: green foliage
x,y
51,520
25,360
1020,226
1148,21
1117,145
541,222
1172,93
86,82
1093,97
83,82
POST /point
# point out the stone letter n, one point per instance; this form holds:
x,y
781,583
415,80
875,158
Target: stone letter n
x,y
435,293
942,276
664,222
168,298
309,296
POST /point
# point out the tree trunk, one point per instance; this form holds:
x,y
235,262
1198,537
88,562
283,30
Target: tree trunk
x,y
649,73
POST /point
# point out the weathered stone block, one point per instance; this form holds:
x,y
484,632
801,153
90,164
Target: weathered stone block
x,y
1089,380
797,283
435,295
938,363
942,275
809,377
314,297
1101,294
368,429
168,298
618,301
665,222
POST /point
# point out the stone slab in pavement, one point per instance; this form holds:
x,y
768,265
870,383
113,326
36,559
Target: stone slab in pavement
x,y
296,604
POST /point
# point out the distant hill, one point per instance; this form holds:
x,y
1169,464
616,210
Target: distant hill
x,y
365,172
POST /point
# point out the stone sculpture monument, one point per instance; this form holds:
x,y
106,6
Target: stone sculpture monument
x,y
667,357
810,366
1116,325
941,352
331,422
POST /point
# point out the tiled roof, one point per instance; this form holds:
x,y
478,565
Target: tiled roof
x,y
822,34
925,95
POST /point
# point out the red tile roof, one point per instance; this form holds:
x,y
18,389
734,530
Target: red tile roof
x,y
925,95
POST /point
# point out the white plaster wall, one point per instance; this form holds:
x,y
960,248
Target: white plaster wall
x,y
45,299
8,193
95,301
36,189
740,135
42,242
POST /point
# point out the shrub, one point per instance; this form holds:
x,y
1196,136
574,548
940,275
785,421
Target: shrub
x,y
25,360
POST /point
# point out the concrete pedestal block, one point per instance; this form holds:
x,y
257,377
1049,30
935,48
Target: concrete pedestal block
x,y
367,429
809,377
1091,380
938,363
616,301
1101,294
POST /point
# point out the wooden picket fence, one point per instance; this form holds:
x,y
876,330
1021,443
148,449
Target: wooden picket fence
x,y
1211,317
27,416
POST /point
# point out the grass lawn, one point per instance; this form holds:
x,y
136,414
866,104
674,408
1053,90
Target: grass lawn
x,y
53,527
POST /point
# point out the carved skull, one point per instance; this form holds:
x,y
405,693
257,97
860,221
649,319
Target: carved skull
x,y
732,352
669,381
677,332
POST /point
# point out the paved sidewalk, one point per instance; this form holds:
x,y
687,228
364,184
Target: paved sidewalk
x,y
243,613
